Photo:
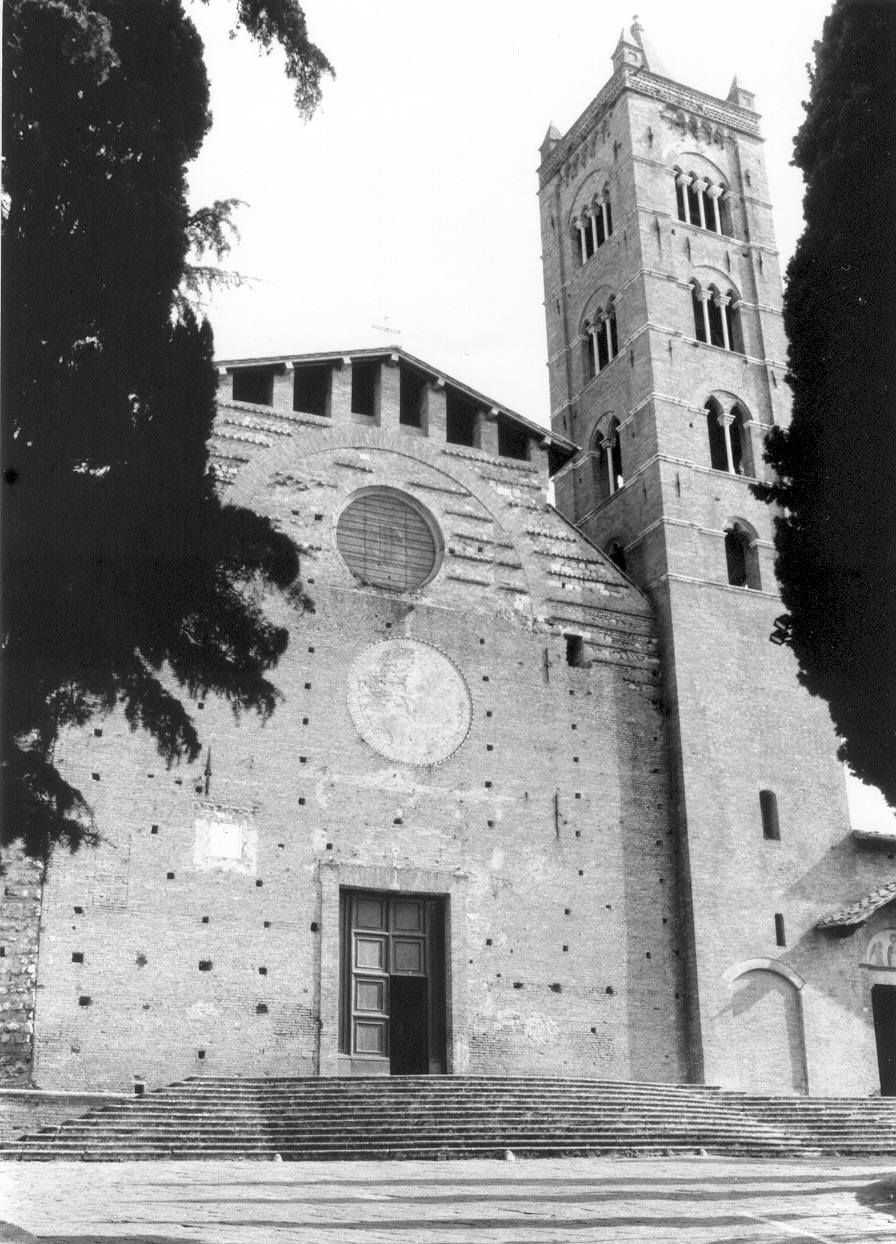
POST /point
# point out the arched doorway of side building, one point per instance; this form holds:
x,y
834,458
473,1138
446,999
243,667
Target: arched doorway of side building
x,y
880,957
767,1041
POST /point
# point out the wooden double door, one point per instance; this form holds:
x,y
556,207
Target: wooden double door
x,y
393,1012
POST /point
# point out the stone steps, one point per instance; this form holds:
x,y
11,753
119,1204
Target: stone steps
x,y
439,1117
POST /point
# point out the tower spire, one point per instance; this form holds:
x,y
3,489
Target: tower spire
x,y
650,57
741,95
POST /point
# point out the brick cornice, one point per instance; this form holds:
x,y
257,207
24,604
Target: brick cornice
x,y
646,83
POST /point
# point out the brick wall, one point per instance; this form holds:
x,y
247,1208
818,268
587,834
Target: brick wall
x,y
548,830
19,939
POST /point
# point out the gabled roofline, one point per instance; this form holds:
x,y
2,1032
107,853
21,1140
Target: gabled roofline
x,y
544,434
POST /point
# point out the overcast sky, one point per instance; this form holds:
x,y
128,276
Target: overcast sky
x,y
412,193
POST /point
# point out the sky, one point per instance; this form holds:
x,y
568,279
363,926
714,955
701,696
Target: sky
x,y
409,200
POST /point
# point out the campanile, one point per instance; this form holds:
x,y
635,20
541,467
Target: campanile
x,y
667,362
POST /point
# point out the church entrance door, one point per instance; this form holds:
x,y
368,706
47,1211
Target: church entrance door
x,y
393,984
883,1009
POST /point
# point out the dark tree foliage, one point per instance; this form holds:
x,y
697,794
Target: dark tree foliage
x,y
124,574
836,465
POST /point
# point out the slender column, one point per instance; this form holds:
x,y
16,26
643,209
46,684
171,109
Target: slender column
x,y
700,187
722,301
595,352
607,446
605,321
715,193
704,297
684,181
583,248
726,422
594,240
605,216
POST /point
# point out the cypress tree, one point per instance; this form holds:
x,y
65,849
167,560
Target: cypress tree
x,y
836,464
127,580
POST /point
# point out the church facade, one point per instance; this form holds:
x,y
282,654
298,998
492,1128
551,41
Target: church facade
x,y
540,797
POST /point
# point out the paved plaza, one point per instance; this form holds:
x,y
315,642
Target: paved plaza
x,y
698,1200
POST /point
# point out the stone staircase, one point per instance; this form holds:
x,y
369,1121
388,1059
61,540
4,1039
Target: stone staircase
x,y
455,1117
828,1124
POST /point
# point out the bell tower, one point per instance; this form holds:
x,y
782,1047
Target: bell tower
x,y
667,359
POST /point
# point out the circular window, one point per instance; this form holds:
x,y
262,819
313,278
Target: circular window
x,y
387,541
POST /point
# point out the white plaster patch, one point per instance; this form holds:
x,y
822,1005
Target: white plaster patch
x,y
540,1030
497,862
229,845
202,1010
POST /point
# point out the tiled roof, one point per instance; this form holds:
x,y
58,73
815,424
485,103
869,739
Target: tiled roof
x,y
857,913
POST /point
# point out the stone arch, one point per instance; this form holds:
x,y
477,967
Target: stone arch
x,y
606,450
716,304
702,190
717,405
599,300
599,334
690,160
590,189
590,221
765,1021
741,554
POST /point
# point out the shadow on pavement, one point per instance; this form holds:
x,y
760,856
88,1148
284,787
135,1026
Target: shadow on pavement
x,y
506,1193
11,1234
880,1196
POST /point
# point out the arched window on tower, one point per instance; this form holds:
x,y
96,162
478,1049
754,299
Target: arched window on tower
x,y
741,557
607,212
700,202
592,227
583,237
610,477
728,438
716,317
589,351
601,341
718,449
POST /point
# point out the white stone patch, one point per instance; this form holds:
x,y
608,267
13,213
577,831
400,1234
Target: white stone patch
x,y
540,1030
228,845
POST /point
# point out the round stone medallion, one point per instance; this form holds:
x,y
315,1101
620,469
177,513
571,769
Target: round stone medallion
x,y
409,701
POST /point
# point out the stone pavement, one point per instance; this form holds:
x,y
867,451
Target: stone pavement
x,y
588,1200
